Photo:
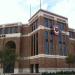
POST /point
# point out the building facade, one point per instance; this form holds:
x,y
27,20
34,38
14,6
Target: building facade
x,y
42,45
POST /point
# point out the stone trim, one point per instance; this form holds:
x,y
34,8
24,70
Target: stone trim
x,y
39,28
43,56
72,39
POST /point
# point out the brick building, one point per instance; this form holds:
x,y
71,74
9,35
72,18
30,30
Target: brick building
x,y
42,45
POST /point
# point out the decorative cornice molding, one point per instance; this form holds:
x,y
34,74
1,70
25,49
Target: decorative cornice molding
x,y
43,28
43,56
72,39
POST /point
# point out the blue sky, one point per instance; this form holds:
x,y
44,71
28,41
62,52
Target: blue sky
x,y
18,10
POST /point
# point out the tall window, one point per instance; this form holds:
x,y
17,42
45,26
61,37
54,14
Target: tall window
x,y
32,48
37,68
51,42
1,30
60,37
34,68
31,68
61,26
65,51
71,34
15,30
46,43
11,30
51,23
7,30
60,43
48,22
60,48
34,25
34,44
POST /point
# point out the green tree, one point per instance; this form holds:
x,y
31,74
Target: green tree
x,y
70,59
7,57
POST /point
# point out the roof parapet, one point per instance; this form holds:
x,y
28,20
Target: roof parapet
x,y
41,12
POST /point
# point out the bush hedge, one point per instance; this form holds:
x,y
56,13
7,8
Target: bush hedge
x,y
60,73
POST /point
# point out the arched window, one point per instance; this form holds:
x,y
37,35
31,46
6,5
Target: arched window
x,y
10,45
9,68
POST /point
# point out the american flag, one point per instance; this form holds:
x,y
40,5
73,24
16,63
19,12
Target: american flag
x,y
56,29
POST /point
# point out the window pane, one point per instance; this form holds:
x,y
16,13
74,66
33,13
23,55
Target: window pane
x,y
36,22
51,42
60,49
65,51
61,26
14,29
46,22
60,43
46,43
71,34
60,37
46,35
34,25
46,47
11,30
50,23
7,30
1,30
51,35
36,44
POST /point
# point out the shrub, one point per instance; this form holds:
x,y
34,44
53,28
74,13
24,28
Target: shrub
x,y
60,73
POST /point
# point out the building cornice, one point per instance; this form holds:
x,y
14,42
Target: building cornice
x,y
48,15
72,39
41,27
43,56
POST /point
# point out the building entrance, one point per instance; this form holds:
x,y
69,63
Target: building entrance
x,y
34,68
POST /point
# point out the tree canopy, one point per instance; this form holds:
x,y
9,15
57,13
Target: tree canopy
x,y
7,55
70,59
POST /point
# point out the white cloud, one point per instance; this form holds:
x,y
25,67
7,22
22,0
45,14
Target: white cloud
x,y
10,11
45,6
34,2
19,10
66,8
35,5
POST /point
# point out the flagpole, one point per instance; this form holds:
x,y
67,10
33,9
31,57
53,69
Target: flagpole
x,y
40,4
30,10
